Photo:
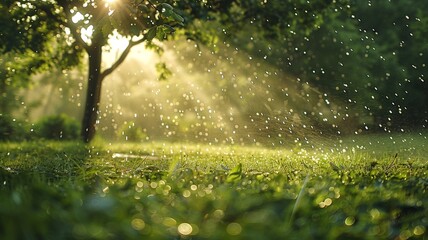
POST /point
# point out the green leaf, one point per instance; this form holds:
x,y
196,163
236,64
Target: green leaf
x,y
166,10
335,167
163,31
163,71
151,33
235,174
166,6
134,30
177,17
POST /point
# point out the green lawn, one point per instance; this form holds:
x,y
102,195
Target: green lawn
x,y
370,187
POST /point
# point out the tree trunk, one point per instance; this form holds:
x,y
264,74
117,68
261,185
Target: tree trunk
x,y
93,95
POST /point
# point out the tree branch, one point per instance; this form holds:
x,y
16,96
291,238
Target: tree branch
x,y
76,35
73,29
122,57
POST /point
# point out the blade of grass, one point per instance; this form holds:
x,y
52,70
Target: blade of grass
x,y
298,199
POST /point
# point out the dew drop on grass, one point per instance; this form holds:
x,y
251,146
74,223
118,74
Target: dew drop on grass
x,y
186,193
185,229
349,221
154,185
138,224
375,214
169,222
419,230
218,214
234,229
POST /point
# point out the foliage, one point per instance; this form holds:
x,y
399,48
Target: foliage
x,y
130,132
58,127
235,174
401,67
163,71
58,32
12,129
33,28
374,69
15,71
165,191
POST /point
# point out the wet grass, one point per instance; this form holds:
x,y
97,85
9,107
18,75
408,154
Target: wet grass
x,y
362,188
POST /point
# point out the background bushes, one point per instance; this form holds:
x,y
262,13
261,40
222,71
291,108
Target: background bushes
x,y
130,132
55,127
12,129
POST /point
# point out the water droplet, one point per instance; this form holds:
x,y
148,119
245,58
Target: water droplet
x,y
349,221
234,229
185,229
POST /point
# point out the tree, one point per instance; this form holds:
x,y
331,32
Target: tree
x,y
61,31
12,79
85,26
399,31
370,59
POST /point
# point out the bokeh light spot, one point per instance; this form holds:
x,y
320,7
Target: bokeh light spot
x,y
169,222
186,193
419,230
138,224
185,229
234,229
349,221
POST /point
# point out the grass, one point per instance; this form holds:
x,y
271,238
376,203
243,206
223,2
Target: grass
x,y
370,187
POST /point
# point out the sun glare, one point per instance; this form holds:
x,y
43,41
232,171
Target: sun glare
x,y
117,42
116,45
110,3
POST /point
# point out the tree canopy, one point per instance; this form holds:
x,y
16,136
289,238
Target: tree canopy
x,y
374,70
60,32
369,57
